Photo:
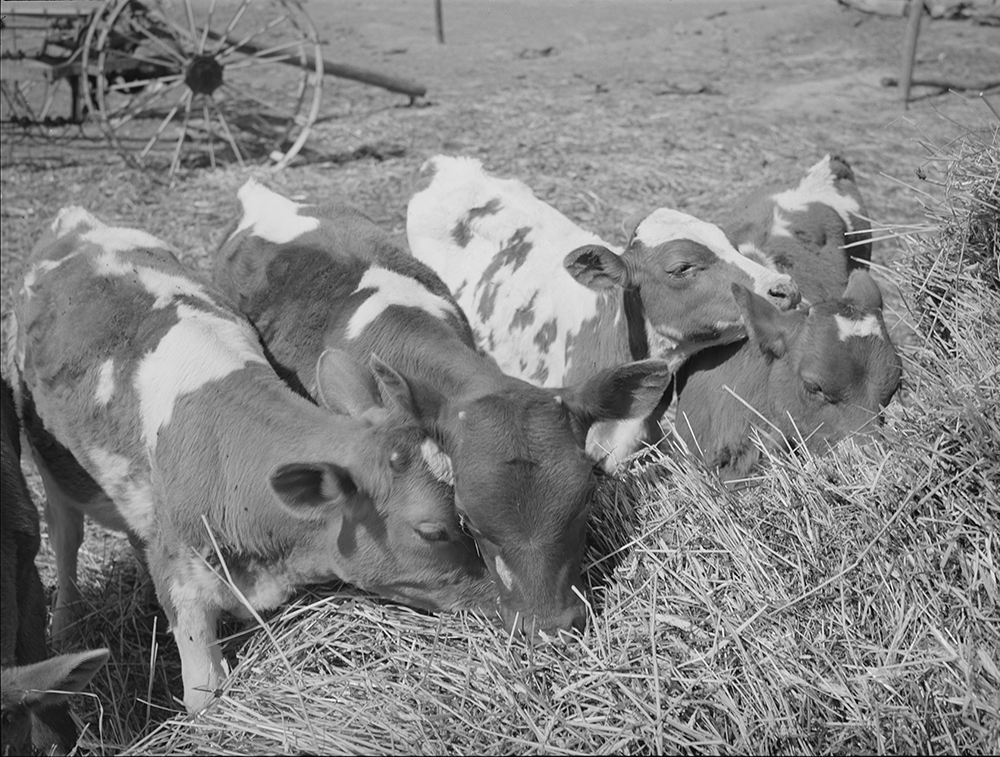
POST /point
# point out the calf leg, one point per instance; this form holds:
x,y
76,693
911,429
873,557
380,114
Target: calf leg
x,y
65,521
188,593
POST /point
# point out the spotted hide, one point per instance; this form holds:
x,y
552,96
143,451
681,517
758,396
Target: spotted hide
x,y
33,685
553,303
815,231
150,406
316,277
807,377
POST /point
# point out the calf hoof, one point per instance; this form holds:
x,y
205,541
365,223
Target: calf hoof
x,y
197,700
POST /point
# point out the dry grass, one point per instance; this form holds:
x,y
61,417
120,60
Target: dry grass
x,y
846,604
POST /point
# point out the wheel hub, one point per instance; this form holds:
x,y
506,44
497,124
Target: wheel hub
x,y
204,75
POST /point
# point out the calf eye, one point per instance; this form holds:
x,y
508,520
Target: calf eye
x,y
432,532
399,460
680,270
814,389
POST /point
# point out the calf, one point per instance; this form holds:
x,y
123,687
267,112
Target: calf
x,y
33,686
802,378
816,231
553,303
315,277
150,406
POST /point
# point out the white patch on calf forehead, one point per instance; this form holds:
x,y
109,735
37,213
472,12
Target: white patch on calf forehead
x,y
270,216
438,462
666,225
819,185
199,349
867,326
105,382
392,288
504,573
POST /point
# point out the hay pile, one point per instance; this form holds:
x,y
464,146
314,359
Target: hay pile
x,y
846,604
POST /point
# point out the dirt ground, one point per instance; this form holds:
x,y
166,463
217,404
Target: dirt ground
x,y
604,107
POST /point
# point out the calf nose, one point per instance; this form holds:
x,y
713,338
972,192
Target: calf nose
x,y
784,294
571,618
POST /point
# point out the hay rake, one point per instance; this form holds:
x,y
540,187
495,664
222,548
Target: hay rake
x,y
171,83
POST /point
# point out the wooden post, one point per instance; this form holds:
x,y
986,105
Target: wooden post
x,y
439,16
916,12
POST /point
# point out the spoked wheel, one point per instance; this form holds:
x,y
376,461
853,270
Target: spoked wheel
x,y
187,83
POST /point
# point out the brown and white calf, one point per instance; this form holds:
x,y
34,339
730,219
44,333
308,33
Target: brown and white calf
x,y
553,303
315,277
815,231
150,406
33,684
803,378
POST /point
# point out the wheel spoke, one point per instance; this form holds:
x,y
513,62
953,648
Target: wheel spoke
x,y
162,127
134,107
269,54
123,87
211,135
190,16
229,136
239,45
178,30
222,38
173,52
175,160
241,92
204,34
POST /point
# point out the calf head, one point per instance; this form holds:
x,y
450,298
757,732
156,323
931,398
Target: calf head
x,y
833,367
676,275
35,714
524,485
390,524
816,231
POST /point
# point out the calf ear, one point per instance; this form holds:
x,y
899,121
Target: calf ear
x,y
344,386
863,291
394,387
630,224
46,683
309,489
597,267
763,322
632,390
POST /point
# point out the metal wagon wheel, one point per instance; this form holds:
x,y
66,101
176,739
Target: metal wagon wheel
x,y
185,83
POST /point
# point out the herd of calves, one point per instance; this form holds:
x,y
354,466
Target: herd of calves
x,y
424,423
